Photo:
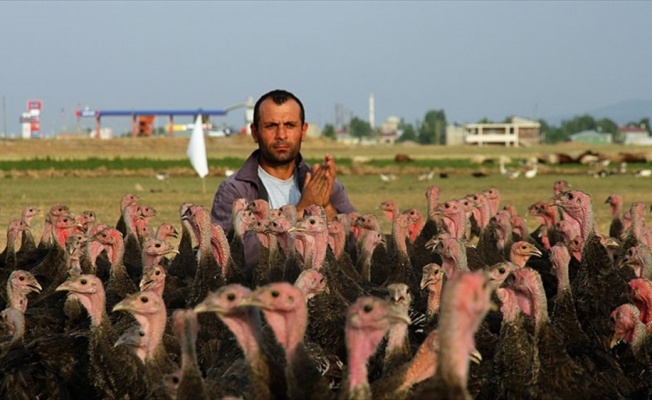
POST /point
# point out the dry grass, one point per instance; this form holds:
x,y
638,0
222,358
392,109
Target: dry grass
x,y
102,194
240,146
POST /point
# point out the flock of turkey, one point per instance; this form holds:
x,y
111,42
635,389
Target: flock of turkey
x,y
461,303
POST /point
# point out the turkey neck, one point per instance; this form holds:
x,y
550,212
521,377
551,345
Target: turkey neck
x,y
246,327
509,305
17,299
115,251
220,247
10,250
456,342
400,233
337,243
289,327
423,365
361,344
434,297
155,328
538,306
563,279
396,337
188,347
319,249
587,222
285,242
95,305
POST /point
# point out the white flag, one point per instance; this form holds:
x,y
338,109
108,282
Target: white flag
x,y
197,149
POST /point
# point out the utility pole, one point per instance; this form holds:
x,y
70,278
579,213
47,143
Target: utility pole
x,y
4,118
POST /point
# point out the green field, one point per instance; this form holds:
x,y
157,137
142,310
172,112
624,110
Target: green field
x,y
81,176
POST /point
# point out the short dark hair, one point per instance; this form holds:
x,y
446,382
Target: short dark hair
x,y
279,97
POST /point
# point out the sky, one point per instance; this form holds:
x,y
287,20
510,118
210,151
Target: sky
x,y
473,59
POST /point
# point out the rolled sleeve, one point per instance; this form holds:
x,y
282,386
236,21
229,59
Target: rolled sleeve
x,y
340,200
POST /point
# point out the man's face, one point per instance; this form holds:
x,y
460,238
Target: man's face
x,y
279,132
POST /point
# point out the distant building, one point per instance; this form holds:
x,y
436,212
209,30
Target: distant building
x,y
455,134
637,135
518,132
389,130
388,133
592,137
313,130
105,133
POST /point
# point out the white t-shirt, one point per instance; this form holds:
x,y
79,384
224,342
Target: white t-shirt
x,y
281,192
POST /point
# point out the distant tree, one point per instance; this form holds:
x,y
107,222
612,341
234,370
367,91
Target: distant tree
x,y
329,131
550,134
642,123
579,124
605,125
553,135
359,128
409,133
433,128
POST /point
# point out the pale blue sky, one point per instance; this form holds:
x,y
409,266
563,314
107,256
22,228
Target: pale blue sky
x,y
472,59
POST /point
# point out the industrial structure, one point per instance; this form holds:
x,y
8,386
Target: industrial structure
x,y
143,120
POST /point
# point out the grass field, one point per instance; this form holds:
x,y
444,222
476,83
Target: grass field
x,y
101,191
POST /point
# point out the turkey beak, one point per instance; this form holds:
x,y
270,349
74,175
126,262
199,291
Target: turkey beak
x,y
475,356
535,252
425,281
35,286
611,243
614,340
397,298
64,287
127,340
623,262
492,304
509,281
124,305
432,243
207,306
145,285
252,301
383,242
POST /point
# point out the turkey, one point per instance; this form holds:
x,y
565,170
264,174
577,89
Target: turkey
x,y
114,372
231,304
286,313
599,287
191,383
465,302
555,373
368,320
149,310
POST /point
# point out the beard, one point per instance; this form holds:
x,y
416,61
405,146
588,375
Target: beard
x,y
275,158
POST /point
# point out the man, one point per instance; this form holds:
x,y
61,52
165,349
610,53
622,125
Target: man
x,y
276,171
